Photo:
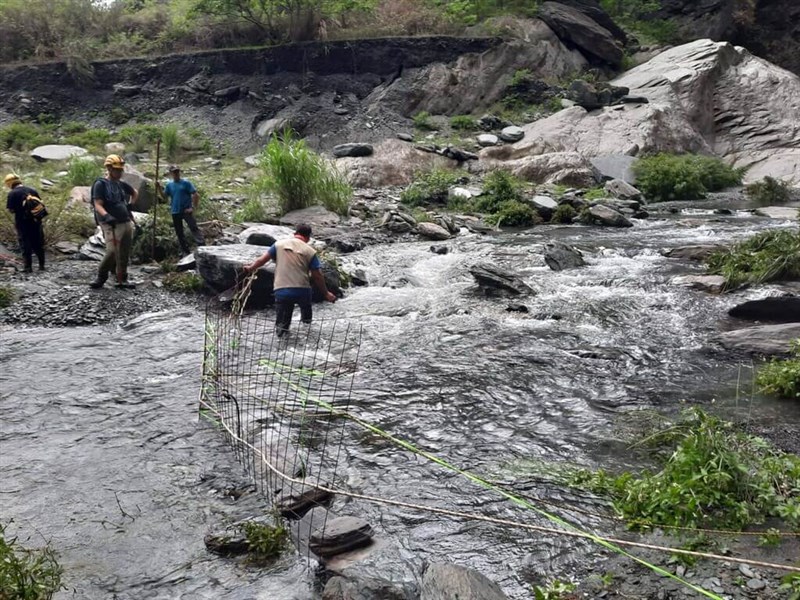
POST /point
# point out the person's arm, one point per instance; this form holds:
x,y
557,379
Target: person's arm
x,y
318,279
195,199
98,198
261,260
9,206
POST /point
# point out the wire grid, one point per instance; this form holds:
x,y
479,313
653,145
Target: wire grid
x,y
273,398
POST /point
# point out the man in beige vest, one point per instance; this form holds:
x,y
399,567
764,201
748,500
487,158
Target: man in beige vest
x,y
294,259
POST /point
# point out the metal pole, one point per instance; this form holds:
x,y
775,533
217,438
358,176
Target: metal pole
x,y
155,200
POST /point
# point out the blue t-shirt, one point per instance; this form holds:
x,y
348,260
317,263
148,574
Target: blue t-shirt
x,y
180,195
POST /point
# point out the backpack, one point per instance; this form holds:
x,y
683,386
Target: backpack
x,y
33,208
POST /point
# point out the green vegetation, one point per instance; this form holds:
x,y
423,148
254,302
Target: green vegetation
x,y
300,177
595,193
254,210
91,139
554,590
166,246
6,296
768,256
463,123
769,191
782,377
711,475
183,282
24,135
430,187
82,172
27,574
170,141
683,177
565,213
422,121
502,201
638,16
266,542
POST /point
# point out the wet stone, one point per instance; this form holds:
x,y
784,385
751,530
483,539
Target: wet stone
x,y
448,581
340,535
491,278
756,584
293,503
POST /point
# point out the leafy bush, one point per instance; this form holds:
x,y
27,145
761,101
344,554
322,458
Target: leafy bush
x,y
24,136
140,137
82,172
265,542
27,574
183,282
769,191
170,141
782,377
595,193
6,297
72,127
499,187
254,210
422,120
430,187
712,475
565,213
300,177
118,115
512,213
92,139
463,123
683,177
767,256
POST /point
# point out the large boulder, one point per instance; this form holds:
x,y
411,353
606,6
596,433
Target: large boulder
x,y
605,215
142,185
394,163
595,41
265,235
317,216
221,267
443,581
559,256
432,231
777,309
766,340
352,149
57,152
561,168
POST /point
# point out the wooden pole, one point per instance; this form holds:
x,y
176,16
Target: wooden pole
x,y
155,199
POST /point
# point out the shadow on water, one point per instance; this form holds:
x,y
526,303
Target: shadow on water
x,y
103,454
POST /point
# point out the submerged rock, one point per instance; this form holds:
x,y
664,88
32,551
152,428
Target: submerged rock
x,y
339,535
700,252
714,284
492,278
559,256
443,581
778,309
767,340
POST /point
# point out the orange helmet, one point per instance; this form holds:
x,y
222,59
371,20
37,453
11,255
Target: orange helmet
x,y
11,179
115,161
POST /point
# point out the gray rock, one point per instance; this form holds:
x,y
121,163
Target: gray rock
x,y
57,152
440,249
67,247
512,134
623,190
492,278
590,37
265,235
353,149
778,309
487,139
339,535
714,284
187,263
463,193
609,217
126,89
377,572
458,154
432,231
115,148
616,166
252,160
784,213
221,268
451,582
141,184
406,137
559,256
270,127
297,500
545,206
756,584
747,571
767,340
313,215
699,253
229,93
232,540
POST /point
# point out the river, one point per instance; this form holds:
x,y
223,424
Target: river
x,y
102,452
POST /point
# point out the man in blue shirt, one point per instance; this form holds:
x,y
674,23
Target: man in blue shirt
x,y
183,201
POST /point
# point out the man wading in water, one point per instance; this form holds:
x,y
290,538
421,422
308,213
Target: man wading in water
x,y
294,259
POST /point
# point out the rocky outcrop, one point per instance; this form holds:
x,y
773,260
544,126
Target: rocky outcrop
x,y
559,256
778,309
595,41
766,340
704,97
442,581
492,279
713,284
561,168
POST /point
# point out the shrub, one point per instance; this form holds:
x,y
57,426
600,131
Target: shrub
x,y
24,136
118,116
430,188
712,474
265,542
683,177
82,172
166,245
72,127
92,139
254,210
499,187
422,120
183,282
769,191
512,213
140,137
782,377
170,141
565,213
463,123
767,256
27,574
595,193
300,177
6,296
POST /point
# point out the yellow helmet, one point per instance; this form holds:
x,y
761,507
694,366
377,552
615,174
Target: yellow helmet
x,y
11,179
115,161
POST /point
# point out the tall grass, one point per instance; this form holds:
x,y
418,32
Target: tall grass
x,y
82,172
767,256
170,141
300,177
27,574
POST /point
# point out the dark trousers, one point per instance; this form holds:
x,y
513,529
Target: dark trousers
x,y
284,310
32,241
177,222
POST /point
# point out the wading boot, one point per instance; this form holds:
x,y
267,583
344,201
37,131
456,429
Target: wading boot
x,y
97,283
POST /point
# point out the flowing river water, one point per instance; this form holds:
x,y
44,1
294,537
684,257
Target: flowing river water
x,y
102,452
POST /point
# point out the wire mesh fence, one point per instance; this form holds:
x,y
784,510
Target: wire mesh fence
x,y
278,400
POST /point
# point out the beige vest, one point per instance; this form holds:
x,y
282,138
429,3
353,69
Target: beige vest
x,y
292,258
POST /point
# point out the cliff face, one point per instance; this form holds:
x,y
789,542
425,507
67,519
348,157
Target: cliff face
x,y
768,28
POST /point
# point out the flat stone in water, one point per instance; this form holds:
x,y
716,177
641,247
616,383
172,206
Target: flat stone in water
x,y
340,535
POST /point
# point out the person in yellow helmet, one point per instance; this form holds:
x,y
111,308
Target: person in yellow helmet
x,y
29,229
111,201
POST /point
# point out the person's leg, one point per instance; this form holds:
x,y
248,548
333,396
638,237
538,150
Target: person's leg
x,y
177,223
283,316
306,313
196,233
109,262
125,239
38,245
27,231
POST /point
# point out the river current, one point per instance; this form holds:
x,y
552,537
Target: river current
x,y
103,455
